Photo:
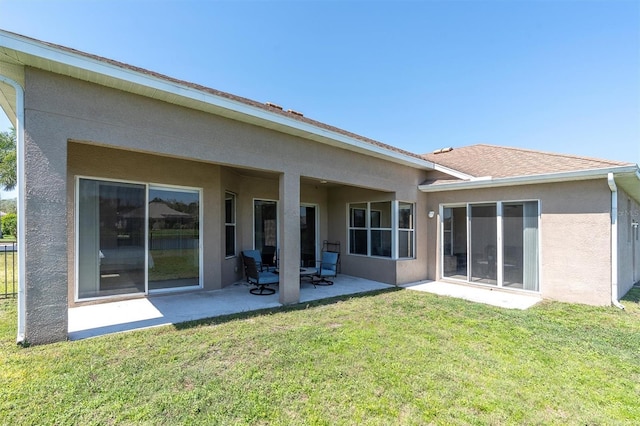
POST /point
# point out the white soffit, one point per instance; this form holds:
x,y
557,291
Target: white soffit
x,y
630,183
26,51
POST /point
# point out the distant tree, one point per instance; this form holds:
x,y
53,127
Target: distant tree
x,y
8,206
8,159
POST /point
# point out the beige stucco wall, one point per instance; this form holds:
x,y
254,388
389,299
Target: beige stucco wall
x,y
575,234
75,128
107,163
628,243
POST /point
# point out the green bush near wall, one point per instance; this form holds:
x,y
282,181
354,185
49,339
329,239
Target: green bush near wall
x,y
9,224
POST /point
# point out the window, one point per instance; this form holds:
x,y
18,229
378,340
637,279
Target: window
x,y
375,227
628,213
380,228
230,224
358,233
405,230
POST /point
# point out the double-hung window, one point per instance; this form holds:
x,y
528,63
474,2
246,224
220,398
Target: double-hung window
x,y
406,230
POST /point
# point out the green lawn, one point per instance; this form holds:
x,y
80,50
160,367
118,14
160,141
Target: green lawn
x,y
393,357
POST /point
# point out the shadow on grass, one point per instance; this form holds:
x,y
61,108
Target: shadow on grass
x,y
632,296
287,308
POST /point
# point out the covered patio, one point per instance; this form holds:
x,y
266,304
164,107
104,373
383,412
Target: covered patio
x,y
164,309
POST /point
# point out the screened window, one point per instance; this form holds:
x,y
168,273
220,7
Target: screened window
x,y
376,227
358,230
230,224
405,230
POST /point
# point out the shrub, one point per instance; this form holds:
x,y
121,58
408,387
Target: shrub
x,y
10,224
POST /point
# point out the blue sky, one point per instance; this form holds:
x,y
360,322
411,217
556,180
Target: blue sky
x,y
561,76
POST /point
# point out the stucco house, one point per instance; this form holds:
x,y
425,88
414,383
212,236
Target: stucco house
x,y
133,183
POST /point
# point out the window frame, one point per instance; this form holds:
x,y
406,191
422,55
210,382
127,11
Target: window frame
x,y
233,196
368,209
410,231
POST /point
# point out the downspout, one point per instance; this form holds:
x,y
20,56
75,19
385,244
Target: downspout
x,y
614,241
20,203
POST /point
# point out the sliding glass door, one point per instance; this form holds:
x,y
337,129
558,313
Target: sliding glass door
x,y
265,229
454,236
308,229
492,243
483,243
520,245
111,238
126,244
174,238
265,235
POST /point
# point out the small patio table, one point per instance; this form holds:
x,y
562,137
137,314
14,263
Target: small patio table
x,y
304,272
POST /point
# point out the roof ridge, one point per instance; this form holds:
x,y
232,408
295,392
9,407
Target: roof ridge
x,y
555,154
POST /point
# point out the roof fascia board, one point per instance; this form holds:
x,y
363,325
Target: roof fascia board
x,y
51,53
530,180
452,172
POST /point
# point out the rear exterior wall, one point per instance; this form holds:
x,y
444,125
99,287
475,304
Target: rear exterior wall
x,y
75,128
575,235
628,243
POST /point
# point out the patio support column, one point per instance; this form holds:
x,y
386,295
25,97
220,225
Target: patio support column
x,y
289,218
45,219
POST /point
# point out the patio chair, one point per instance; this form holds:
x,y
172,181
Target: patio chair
x,y
269,257
255,255
327,268
260,279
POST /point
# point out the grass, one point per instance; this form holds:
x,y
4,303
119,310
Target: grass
x,y
174,264
392,357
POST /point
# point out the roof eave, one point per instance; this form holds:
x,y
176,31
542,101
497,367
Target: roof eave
x,y
489,182
238,110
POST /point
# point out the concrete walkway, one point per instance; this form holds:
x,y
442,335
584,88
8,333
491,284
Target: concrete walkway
x,y
488,296
174,308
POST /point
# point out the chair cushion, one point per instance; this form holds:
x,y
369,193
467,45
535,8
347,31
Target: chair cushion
x,y
268,278
326,272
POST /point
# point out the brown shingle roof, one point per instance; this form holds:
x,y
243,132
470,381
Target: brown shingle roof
x,y
501,162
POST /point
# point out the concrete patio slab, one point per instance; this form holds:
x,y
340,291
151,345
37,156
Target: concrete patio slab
x,y
488,296
157,310
165,309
